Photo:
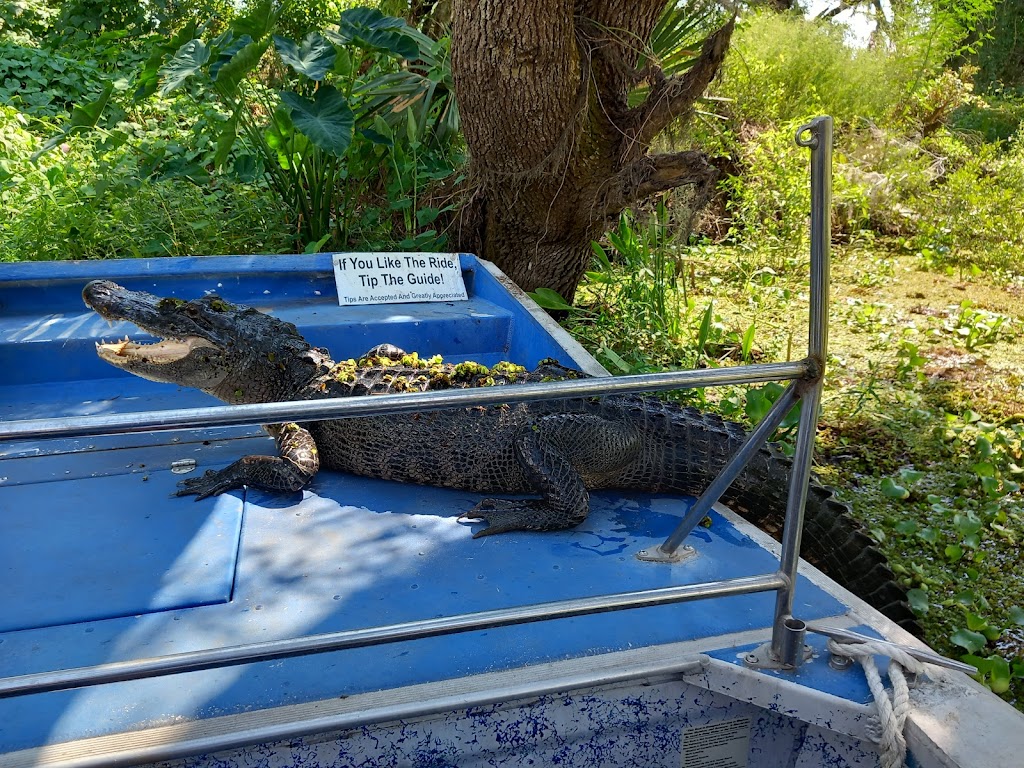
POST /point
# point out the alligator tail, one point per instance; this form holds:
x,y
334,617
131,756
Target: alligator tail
x,y
832,539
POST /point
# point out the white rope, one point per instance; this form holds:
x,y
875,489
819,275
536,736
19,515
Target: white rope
x,y
892,713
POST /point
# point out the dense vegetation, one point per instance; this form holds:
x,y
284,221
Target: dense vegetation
x,y
923,417
171,128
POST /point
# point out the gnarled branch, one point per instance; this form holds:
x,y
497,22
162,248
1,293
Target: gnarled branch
x,y
656,173
672,98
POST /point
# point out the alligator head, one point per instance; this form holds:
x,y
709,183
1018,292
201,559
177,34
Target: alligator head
x,y
235,353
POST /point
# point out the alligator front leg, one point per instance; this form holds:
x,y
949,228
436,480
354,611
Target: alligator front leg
x,y
555,454
290,471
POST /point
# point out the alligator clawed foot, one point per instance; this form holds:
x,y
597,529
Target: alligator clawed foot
x,y
503,515
211,483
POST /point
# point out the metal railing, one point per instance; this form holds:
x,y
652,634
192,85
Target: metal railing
x,y
806,377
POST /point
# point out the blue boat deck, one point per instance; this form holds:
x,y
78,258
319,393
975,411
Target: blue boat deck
x,y
346,554
106,566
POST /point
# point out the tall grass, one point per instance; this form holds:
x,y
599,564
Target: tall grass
x,y
783,68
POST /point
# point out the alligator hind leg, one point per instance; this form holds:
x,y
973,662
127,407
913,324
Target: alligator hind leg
x,y
290,471
553,453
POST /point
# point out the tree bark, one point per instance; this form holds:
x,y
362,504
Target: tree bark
x,y
556,151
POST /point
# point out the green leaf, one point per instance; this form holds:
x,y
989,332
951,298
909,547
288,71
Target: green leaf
x,y
998,674
954,552
918,599
315,247
892,490
705,327
966,524
368,18
369,28
993,671
428,215
245,167
991,486
1016,614
549,299
226,140
314,58
376,138
984,469
342,62
972,641
929,534
756,406
188,60
992,633
410,126
906,527
229,75
258,23
966,597
326,121
149,77
280,135
88,115
83,118
747,343
616,360
976,623
910,475
224,55
601,255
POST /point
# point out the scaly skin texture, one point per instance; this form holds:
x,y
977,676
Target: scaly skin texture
x,y
557,450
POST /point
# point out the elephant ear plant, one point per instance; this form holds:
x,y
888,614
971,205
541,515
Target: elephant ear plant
x,y
322,119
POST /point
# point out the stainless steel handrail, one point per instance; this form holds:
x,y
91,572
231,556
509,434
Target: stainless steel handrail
x,y
119,671
817,136
341,407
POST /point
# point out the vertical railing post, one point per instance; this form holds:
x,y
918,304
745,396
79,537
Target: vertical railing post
x,y
788,632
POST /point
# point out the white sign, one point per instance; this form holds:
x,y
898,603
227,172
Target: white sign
x,y
725,744
395,278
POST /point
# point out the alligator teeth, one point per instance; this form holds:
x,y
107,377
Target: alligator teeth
x,y
155,353
117,348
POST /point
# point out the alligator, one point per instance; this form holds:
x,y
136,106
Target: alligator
x,y
557,450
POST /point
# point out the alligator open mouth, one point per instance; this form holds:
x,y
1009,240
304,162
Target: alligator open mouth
x,y
156,353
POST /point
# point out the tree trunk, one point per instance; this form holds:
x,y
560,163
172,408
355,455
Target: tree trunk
x,y
556,151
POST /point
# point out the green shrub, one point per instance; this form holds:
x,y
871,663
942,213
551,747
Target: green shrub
x,y
993,118
769,201
24,21
971,216
44,84
782,67
91,198
345,126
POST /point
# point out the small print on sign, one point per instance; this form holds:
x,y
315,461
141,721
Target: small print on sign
x,y
396,278
718,745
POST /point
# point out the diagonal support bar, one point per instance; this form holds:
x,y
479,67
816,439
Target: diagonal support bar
x,y
666,552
